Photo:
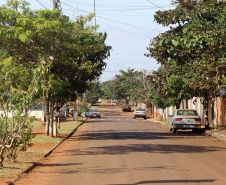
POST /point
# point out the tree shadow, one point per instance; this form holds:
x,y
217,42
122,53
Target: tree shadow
x,y
147,148
117,135
171,181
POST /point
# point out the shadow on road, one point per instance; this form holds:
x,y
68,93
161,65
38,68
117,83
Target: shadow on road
x,y
114,135
171,181
148,148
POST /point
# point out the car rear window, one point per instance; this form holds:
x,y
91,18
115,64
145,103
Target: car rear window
x,y
187,112
140,109
94,110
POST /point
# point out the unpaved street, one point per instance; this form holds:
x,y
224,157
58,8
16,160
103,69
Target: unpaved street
x,y
118,150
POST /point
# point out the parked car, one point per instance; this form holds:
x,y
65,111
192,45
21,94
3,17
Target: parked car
x,y
185,119
99,100
114,100
108,101
126,108
87,113
94,113
140,113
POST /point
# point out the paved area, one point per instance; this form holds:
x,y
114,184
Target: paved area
x,y
118,150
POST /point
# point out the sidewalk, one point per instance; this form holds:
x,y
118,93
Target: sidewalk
x,y
219,134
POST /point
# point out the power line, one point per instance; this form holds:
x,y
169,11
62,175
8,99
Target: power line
x,y
133,33
155,4
126,23
132,61
41,4
116,64
112,6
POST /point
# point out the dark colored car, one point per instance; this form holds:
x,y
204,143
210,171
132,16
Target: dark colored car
x,y
126,108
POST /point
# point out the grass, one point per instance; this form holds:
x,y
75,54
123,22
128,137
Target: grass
x,y
37,124
45,139
166,122
68,127
41,145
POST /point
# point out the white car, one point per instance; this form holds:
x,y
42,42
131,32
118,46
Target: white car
x,y
140,113
185,119
94,113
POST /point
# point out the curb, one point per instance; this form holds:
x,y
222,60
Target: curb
x,y
47,154
216,135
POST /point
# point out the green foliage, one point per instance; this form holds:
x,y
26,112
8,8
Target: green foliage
x,y
44,57
93,93
131,84
44,48
84,107
192,52
109,90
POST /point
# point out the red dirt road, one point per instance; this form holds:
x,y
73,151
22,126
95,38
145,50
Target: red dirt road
x,y
118,150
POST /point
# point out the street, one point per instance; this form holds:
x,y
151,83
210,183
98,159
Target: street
x,y
119,150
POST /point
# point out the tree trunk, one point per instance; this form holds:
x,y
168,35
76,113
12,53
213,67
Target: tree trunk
x,y
1,156
54,126
58,120
75,112
51,120
220,115
205,104
47,118
210,113
186,104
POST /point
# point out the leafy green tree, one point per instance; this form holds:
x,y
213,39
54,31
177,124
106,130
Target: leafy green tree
x,y
68,54
109,90
15,132
193,44
93,93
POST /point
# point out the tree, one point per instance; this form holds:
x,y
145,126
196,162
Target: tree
x,y
108,90
194,43
93,93
18,88
69,54
126,83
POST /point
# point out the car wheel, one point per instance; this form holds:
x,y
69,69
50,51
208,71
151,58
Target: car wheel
x,y
170,129
145,117
174,130
134,117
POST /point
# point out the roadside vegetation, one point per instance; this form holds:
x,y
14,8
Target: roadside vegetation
x,y
39,146
45,59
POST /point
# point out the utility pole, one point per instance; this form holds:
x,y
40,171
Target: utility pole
x,y
95,11
57,4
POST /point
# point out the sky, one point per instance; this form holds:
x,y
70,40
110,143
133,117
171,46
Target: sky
x,y
129,25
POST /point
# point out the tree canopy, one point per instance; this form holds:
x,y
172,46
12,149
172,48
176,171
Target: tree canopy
x,y
193,51
44,57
